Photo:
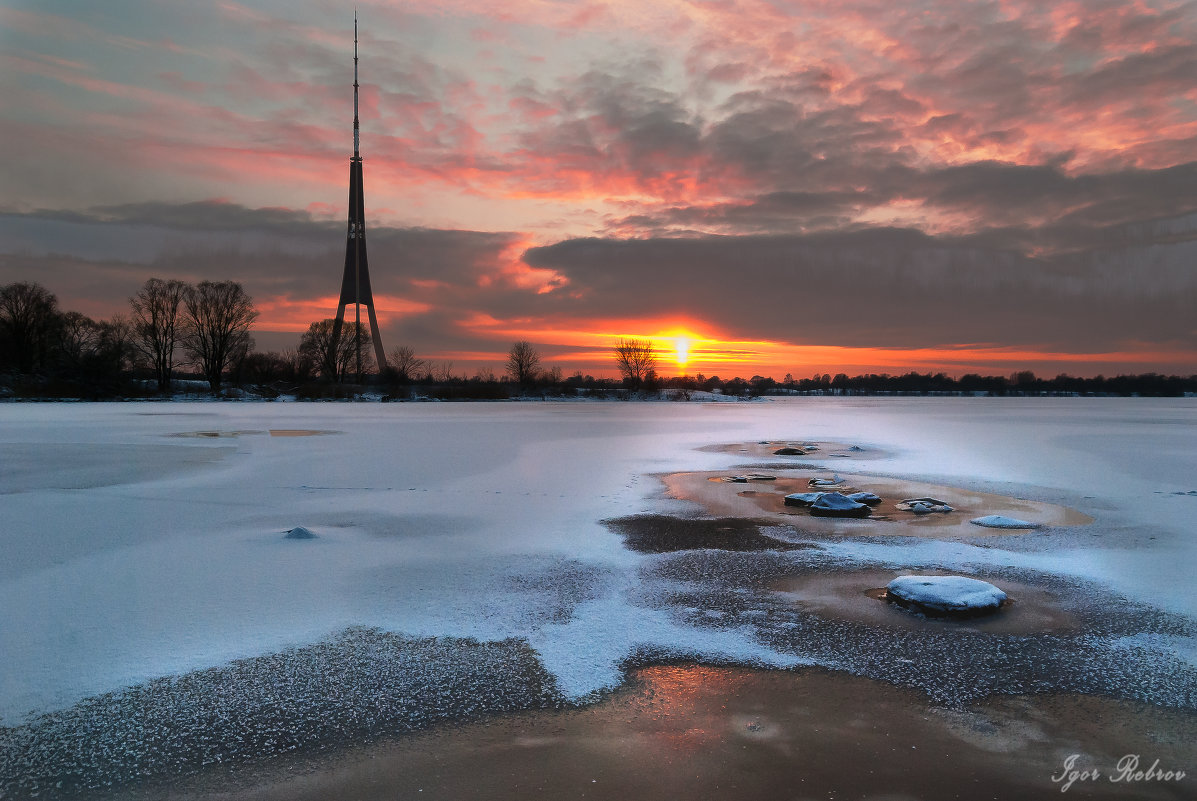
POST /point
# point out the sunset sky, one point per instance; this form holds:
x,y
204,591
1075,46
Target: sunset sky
x,y
787,187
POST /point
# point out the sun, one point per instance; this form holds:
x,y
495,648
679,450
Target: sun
x,y
681,353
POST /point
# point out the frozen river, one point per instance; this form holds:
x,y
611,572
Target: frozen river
x,y
132,552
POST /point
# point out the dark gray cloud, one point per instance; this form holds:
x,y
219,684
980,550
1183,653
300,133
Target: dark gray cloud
x,y
899,287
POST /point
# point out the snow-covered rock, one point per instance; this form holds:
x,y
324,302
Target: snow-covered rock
x,y
300,533
1001,521
867,498
958,595
923,506
744,479
803,498
825,482
833,504
788,452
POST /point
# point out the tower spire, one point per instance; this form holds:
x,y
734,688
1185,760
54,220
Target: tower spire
x,y
356,155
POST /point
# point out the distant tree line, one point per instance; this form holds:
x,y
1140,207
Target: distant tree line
x,y
45,351
176,330
1023,383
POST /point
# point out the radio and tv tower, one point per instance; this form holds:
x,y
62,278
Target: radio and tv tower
x,y
355,284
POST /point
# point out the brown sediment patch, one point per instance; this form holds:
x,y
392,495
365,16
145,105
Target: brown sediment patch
x,y
812,449
726,499
692,731
664,534
858,596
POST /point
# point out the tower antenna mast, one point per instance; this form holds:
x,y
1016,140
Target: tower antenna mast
x,y
356,155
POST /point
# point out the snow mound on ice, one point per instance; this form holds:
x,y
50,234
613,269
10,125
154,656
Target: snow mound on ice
x,y
1001,521
946,593
300,533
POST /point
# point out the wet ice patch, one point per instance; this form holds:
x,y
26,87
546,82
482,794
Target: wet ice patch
x,y
585,655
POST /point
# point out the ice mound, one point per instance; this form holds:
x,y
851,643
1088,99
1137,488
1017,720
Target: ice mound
x,y
1001,521
833,504
867,498
945,594
300,533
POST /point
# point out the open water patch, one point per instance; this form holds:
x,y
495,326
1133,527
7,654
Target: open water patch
x,y
648,533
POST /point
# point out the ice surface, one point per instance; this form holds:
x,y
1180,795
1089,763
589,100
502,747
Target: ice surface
x,y
131,554
946,593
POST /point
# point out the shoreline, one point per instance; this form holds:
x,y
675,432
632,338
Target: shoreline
x,y
700,731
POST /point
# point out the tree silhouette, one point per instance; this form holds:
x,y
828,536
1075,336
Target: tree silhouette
x,y
216,320
522,363
28,317
636,360
155,324
404,364
316,348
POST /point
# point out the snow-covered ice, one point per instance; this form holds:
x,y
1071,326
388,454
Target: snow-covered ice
x,y
131,554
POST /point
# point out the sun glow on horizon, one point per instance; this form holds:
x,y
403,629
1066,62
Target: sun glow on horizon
x,y
681,351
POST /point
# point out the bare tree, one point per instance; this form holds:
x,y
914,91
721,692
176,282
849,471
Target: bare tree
x,y
156,324
316,349
522,361
77,339
298,368
215,332
636,359
28,319
441,371
117,342
404,364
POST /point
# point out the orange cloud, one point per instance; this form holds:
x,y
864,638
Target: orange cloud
x,y
281,313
